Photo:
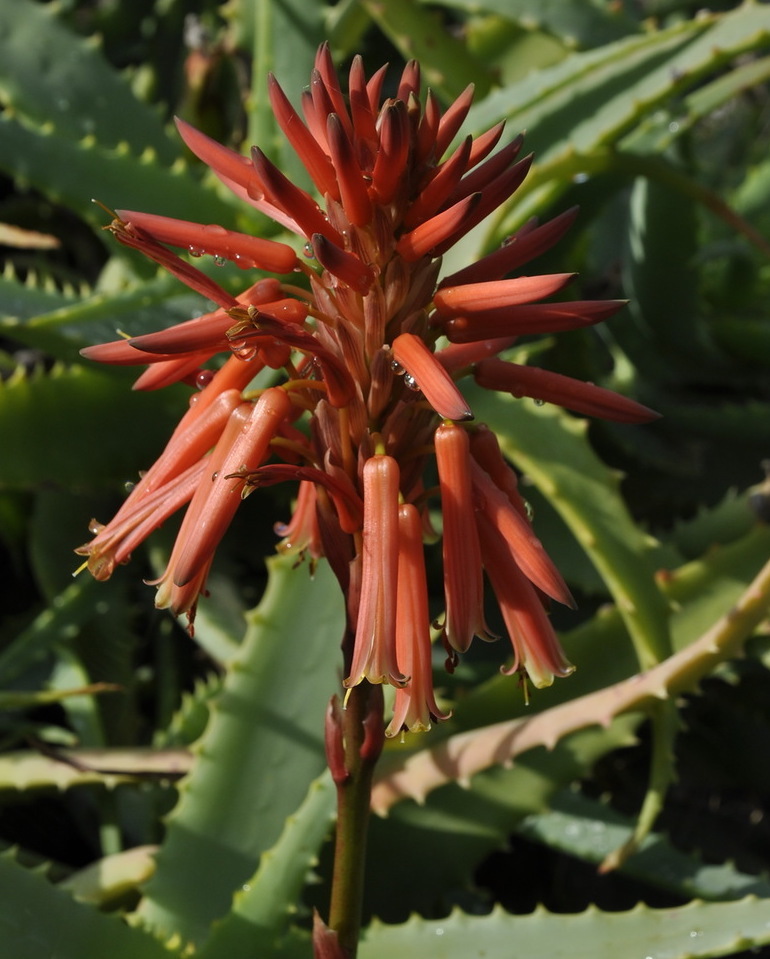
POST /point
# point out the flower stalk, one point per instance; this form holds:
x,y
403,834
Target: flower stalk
x,y
354,740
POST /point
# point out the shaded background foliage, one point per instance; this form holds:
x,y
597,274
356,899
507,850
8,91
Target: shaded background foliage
x,y
655,119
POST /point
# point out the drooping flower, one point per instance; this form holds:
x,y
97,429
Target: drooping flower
x,y
367,392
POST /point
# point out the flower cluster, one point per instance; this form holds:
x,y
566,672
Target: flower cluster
x,y
368,353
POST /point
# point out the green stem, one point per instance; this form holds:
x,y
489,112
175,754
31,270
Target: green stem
x,y
359,727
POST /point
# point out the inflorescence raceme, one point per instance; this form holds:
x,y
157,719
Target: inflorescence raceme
x,y
368,357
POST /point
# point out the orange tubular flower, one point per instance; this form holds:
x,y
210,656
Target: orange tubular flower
x,y
537,652
415,704
367,406
463,583
374,656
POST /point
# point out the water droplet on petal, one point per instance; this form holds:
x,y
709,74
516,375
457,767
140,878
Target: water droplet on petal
x,y
410,382
95,527
214,475
397,368
203,379
128,486
308,251
195,251
219,260
539,402
243,349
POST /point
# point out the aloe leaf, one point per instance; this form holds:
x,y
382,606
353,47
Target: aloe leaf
x,y
591,100
49,75
20,699
279,38
37,919
58,624
446,64
590,830
345,25
745,423
263,907
704,589
85,170
111,878
262,747
658,134
50,408
725,522
699,592
661,281
576,22
81,711
748,340
558,105
26,770
189,720
220,622
552,449
423,852
696,931
64,328
464,754
22,300
751,196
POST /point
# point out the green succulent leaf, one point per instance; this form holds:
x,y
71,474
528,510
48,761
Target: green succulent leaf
x,y
417,33
261,749
37,919
441,839
23,300
61,329
53,408
591,100
578,23
282,39
657,133
591,830
51,77
87,169
264,906
697,931
25,770
110,879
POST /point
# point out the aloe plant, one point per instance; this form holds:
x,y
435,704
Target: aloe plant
x,y
165,790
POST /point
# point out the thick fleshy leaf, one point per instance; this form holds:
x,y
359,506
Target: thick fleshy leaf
x,y
697,931
261,749
53,408
86,170
37,919
50,76
263,907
